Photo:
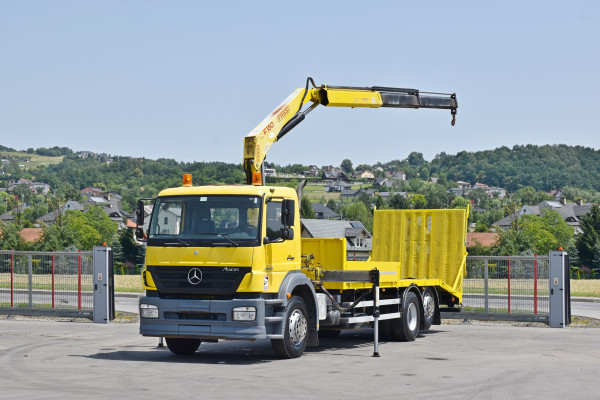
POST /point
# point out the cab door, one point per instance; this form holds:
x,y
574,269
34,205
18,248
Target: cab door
x,y
280,254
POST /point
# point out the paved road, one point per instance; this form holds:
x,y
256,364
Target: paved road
x,y
58,360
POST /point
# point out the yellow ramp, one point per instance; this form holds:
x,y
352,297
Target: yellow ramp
x,y
427,244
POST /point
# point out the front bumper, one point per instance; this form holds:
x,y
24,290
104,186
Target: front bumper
x,y
209,320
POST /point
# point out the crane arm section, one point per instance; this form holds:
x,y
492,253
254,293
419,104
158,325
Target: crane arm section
x,y
289,114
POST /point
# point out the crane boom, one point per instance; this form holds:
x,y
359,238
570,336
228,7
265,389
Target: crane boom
x,y
289,114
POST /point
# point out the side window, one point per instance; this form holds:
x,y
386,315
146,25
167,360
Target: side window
x,y
274,224
170,216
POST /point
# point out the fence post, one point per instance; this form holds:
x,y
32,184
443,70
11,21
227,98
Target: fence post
x,y
12,284
53,279
79,281
486,297
30,273
509,285
535,282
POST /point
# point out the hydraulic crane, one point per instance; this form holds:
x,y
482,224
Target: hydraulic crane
x,y
290,113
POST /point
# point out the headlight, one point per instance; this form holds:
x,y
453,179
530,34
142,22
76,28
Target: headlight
x,y
244,313
148,311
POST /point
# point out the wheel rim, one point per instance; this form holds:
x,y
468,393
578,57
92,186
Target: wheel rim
x,y
429,305
297,327
412,317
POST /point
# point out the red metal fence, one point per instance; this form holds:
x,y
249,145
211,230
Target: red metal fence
x,y
46,280
507,287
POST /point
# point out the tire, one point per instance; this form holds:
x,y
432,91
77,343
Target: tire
x,y
406,328
295,335
428,308
181,346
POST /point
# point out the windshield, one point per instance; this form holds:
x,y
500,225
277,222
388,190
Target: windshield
x,y
205,221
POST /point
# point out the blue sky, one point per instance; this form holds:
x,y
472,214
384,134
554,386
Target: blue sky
x,y
189,79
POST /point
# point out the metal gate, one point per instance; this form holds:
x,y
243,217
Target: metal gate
x,y
53,283
505,288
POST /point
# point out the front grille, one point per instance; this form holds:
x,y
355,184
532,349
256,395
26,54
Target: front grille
x,y
197,316
215,280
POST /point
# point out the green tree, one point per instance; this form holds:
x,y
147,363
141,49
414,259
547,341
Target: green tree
x,y
128,247
366,199
357,211
10,239
332,205
536,234
347,166
306,210
399,202
530,196
379,202
416,159
590,236
460,202
418,201
24,193
480,197
85,229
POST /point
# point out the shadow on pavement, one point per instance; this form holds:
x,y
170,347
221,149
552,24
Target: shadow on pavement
x,y
241,352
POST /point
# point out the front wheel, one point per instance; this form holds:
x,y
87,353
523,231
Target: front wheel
x,y
406,328
295,332
183,346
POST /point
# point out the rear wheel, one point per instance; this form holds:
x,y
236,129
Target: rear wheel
x,y
183,346
428,308
295,331
406,328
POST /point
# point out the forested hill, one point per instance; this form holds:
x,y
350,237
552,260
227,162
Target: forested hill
x,y
543,167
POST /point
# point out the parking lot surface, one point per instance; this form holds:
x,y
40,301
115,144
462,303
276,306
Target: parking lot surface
x,y
56,360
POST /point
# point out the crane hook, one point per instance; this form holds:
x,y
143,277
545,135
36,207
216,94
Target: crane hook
x,y
453,112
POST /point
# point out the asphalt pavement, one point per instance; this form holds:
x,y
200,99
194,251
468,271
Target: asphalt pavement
x,y
45,359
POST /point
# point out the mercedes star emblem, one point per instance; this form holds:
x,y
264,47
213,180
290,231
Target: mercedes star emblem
x,y
194,276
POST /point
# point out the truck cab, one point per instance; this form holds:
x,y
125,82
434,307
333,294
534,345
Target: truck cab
x,y
222,262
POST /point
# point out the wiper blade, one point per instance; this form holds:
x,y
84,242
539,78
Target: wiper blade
x,y
233,242
178,243
219,235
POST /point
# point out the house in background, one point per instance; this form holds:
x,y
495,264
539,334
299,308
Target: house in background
x,y
571,213
334,174
324,212
36,187
359,242
110,203
366,174
383,183
396,175
337,186
91,191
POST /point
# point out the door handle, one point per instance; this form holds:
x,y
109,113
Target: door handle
x,y
290,258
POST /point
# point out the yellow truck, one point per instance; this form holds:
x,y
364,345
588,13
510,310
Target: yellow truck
x,y
227,261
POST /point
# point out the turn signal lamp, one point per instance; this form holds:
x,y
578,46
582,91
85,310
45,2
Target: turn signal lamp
x,y
256,178
187,179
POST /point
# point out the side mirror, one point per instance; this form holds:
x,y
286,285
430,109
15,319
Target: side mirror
x,y
288,212
139,213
